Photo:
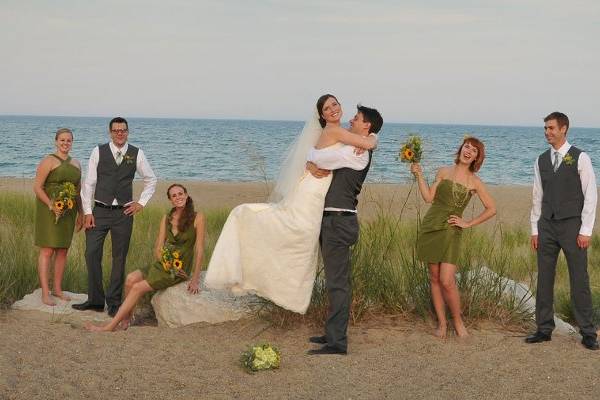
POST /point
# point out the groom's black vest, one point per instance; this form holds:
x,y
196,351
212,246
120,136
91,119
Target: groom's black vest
x,y
345,187
115,181
562,196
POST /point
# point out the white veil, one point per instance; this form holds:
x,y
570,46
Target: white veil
x,y
293,164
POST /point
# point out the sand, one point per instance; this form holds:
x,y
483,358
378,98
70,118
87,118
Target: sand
x,y
394,357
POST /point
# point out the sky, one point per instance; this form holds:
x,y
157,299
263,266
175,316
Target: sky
x,y
474,62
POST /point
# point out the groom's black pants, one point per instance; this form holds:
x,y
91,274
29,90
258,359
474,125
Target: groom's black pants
x,y
554,235
338,233
120,227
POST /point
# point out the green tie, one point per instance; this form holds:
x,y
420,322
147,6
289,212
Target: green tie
x,y
120,158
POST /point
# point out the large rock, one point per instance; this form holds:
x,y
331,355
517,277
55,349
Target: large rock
x,y
62,310
176,307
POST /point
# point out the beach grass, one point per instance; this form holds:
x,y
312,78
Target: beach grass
x,y
386,276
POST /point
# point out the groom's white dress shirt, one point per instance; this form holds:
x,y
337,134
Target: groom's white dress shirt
x,y
142,168
588,187
336,158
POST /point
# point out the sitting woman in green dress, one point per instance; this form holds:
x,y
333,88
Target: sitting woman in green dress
x,y
439,242
58,212
179,245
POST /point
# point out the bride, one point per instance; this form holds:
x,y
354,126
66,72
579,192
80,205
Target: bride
x,y
271,249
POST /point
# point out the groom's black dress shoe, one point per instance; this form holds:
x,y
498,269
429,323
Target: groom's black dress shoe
x,y
88,306
318,339
538,337
590,343
326,350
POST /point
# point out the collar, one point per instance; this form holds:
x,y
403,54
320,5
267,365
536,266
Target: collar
x,y
563,150
114,148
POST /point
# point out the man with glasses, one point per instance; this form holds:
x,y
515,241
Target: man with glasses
x,y
109,185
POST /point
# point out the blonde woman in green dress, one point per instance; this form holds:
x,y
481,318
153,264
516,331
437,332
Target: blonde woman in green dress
x,y
54,227
439,242
182,231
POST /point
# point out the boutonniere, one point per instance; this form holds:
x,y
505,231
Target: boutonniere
x,y
568,159
128,159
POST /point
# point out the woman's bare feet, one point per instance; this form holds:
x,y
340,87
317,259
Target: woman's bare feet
x,y
47,300
61,295
95,328
441,331
124,324
460,329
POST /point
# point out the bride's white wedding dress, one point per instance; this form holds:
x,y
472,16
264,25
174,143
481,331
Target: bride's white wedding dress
x,y
271,249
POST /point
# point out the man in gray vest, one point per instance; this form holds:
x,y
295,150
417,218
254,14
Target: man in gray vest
x,y
109,185
562,217
339,229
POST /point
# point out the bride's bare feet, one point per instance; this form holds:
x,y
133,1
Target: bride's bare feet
x,y
460,329
61,295
124,324
47,300
95,328
441,331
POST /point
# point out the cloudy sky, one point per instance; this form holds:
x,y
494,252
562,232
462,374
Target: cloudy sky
x,y
432,61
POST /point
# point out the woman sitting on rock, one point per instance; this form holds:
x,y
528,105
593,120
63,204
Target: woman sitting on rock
x,y
180,243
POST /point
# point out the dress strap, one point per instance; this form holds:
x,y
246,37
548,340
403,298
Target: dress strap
x,y
60,159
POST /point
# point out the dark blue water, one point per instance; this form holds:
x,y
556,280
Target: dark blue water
x,y
244,150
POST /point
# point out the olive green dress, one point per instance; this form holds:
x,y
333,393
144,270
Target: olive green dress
x,y
47,233
438,240
183,242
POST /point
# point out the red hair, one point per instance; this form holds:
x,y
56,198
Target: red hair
x,y
478,161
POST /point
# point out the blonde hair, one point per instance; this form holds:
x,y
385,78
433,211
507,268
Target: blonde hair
x,y
63,130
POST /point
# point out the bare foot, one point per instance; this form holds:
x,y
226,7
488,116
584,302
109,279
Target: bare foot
x,y
95,328
61,295
47,300
441,331
124,324
461,331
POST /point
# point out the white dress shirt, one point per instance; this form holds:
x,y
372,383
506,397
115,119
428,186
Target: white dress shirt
x,y
588,187
336,158
143,169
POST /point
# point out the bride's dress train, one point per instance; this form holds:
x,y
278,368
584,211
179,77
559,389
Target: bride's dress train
x,y
271,249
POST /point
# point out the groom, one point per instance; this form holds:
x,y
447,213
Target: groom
x,y
339,228
109,186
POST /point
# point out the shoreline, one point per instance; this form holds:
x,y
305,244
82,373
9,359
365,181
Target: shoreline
x,y
513,202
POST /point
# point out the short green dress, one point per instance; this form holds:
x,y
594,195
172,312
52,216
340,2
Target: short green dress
x,y
439,241
47,233
183,242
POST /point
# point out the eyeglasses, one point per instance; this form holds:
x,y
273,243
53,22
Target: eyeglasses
x,y
119,130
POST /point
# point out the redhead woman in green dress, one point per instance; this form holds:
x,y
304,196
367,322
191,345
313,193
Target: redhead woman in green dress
x,y
439,242
182,233
54,220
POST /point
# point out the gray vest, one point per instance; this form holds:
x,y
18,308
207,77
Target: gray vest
x,y
115,181
562,196
345,187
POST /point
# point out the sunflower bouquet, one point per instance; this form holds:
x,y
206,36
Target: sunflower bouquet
x,y
171,261
260,357
412,150
64,201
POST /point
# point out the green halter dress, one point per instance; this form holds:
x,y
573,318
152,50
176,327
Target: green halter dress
x,y
439,241
183,242
47,233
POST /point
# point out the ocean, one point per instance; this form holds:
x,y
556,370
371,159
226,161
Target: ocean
x,y
248,150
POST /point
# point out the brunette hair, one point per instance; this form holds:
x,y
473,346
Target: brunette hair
x,y
63,130
320,103
560,118
371,116
188,215
117,120
478,161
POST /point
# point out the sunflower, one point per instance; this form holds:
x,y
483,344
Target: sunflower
x,y
59,204
175,254
70,204
408,154
178,264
